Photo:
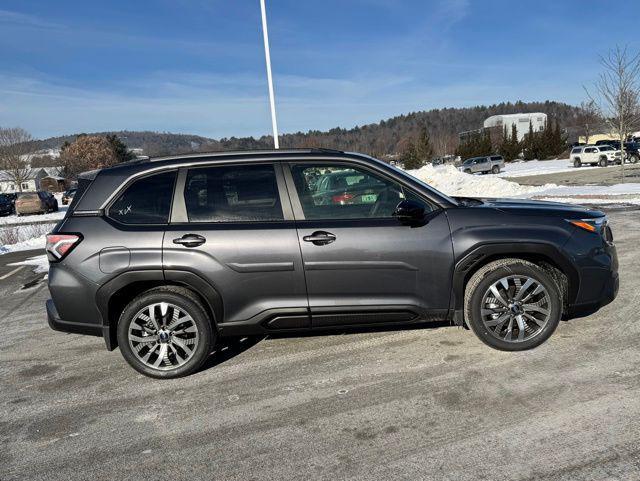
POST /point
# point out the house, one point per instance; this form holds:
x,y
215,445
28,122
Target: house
x,y
39,178
496,124
522,121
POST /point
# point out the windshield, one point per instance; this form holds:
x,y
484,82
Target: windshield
x,y
605,148
468,161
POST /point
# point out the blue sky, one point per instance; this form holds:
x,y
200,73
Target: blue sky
x,y
197,66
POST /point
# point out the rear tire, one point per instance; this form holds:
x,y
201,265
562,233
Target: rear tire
x,y
467,171
175,348
495,169
527,312
633,159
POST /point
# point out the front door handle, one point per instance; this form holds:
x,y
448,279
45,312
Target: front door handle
x,y
190,240
320,238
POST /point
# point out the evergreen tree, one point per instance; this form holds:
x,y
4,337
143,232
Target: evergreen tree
x,y
410,158
120,150
423,147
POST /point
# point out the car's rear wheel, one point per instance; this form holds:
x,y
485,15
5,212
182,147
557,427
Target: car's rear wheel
x,y
467,171
577,163
165,333
633,159
495,169
512,304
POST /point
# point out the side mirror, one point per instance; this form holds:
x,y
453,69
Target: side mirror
x,y
409,212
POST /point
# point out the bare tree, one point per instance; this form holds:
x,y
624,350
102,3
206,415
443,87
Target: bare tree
x,y
588,118
15,147
618,93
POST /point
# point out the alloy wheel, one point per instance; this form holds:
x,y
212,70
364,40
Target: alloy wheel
x,y
516,308
163,336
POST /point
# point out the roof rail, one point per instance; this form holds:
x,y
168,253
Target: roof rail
x,y
222,153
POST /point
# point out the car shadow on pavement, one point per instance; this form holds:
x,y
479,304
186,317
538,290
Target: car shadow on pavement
x,y
234,346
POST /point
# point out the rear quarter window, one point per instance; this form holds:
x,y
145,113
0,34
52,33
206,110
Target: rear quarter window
x,y
145,201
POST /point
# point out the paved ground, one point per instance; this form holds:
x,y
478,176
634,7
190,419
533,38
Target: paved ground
x,y
416,404
602,176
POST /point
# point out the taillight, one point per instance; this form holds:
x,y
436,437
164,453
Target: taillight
x,y
59,245
341,199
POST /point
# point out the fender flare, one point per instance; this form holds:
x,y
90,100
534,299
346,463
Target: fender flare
x,y
479,256
186,279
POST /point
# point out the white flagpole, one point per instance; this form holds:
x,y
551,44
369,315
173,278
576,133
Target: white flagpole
x,y
267,57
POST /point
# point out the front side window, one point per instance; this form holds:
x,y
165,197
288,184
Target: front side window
x,y
235,193
146,201
344,192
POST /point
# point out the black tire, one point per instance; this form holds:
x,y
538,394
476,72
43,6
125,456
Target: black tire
x,y
495,169
633,159
491,273
467,171
577,163
602,163
188,302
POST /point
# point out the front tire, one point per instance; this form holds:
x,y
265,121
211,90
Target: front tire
x,y
633,159
577,163
512,304
165,333
602,163
495,169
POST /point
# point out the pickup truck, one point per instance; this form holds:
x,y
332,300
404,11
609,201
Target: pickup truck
x,y
489,164
601,155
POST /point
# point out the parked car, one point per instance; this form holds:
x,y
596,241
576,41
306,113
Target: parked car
x,y
35,203
67,197
166,257
632,152
601,155
485,165
6,205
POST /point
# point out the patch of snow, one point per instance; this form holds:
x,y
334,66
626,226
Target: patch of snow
x,y
34,219
40,263
450,181
25,245
537,167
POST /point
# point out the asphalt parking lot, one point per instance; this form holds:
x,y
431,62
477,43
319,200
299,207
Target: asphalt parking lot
x,y
430,403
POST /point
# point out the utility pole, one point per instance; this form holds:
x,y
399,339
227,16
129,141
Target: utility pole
x,y
267,57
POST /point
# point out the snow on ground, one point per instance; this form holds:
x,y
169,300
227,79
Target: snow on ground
x,y
538,167
33,219
449,180
40,263
25,245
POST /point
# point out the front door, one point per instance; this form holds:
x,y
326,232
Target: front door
x,y
361,264
232,225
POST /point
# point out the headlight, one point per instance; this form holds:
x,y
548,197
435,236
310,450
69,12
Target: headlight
x,y
592,225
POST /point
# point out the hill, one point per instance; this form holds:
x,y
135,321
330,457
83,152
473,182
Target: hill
x,y
383,138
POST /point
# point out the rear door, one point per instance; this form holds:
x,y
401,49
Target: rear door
x,y
232,225
361,264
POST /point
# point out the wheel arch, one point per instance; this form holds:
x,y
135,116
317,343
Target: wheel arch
x,y
545,255
118,292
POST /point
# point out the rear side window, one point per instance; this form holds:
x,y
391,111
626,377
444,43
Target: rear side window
x,y
146,201
235,193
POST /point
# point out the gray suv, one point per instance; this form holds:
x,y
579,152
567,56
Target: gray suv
x,y
491,164
164,257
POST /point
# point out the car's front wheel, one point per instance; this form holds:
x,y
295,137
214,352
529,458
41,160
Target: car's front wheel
x,y
512,304
495,169
165,333
633,159
602,163
577,163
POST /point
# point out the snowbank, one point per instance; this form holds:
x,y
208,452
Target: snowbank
x,y
450,181
32,243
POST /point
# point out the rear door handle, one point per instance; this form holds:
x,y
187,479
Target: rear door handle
x,y
320,238
190,240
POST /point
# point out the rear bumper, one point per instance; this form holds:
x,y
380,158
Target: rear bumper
x,y
58,324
